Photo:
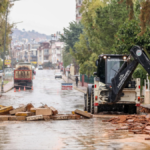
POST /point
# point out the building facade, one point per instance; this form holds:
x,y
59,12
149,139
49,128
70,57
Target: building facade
x,y
78,14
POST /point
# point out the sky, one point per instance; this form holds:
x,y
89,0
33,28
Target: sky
x,y
44,16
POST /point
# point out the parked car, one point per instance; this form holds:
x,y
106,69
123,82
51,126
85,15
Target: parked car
x,y
40,67
58,75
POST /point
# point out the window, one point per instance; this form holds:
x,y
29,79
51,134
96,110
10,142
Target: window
x,y
101,70
113,65
80,1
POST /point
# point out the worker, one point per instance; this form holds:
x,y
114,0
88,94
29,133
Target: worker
x,y
77,81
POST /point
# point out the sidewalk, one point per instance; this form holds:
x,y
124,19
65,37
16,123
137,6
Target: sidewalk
x,y
8,86
79,88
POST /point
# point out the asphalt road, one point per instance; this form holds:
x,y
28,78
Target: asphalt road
x,y
66,134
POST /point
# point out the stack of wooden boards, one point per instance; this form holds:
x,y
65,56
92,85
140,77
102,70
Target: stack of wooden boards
x,y
138,124
44,112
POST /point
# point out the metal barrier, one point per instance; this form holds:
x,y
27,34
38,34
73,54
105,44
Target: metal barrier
x,y
87,79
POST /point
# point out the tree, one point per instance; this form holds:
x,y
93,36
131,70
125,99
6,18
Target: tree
x,y
128,36
3,12
101,22
71,35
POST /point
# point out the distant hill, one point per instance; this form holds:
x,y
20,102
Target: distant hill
x,y
20,35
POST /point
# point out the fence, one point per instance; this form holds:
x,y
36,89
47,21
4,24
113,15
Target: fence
x,y
86,79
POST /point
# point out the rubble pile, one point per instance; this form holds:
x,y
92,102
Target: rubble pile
x,y
29,113
144,110
138,124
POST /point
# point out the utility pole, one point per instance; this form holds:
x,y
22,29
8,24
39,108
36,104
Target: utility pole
x,y
4,50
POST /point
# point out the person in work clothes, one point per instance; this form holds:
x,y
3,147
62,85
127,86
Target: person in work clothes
x,y
77,80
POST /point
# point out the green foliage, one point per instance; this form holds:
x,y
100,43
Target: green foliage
x,y
71,35
1,64
3,7
67,58
127,36
102,23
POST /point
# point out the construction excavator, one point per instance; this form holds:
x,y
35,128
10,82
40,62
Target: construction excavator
x,y
114,89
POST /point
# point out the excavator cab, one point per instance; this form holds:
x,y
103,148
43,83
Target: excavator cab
x,y
108,65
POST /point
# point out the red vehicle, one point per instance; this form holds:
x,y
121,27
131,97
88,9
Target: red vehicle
x,y
23,75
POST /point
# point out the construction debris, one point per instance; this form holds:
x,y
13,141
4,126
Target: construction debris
x,y
37,117
6,110
144,109
138,124
20,109
82,113
44,112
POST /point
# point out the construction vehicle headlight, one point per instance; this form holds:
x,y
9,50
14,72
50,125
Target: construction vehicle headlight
x,y
124,57
104,57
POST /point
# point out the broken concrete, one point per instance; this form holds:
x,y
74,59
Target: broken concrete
x,y
20,109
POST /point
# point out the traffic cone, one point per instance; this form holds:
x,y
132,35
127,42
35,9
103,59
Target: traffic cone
x,y
32,88
19,89
14,89
24,88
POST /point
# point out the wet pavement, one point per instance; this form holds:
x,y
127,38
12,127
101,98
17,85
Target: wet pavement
x,y
72,134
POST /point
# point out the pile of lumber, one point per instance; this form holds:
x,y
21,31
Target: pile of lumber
x,y
30,113
138,124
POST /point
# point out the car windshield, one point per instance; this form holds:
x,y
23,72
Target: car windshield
x,y
113,65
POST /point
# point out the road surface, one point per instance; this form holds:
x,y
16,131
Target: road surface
x,y
66,134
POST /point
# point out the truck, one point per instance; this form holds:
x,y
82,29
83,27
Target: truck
x,y
114,89
23,75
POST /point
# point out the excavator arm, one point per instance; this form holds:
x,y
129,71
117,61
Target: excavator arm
x,y
125,72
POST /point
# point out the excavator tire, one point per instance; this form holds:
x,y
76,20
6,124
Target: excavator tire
x,y
88,101
92,101
85,102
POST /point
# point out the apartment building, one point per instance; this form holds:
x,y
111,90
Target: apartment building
x,y
78,14
56,52
43,53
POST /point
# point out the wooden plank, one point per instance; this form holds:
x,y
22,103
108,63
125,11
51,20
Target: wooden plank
x,y
75,116
54,111
20,118
24,114
4,118
43,111
5,109
60,117
82,113
33,118
20,109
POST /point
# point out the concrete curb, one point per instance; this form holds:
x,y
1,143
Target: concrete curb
x,y
74,86
8,89
79,90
